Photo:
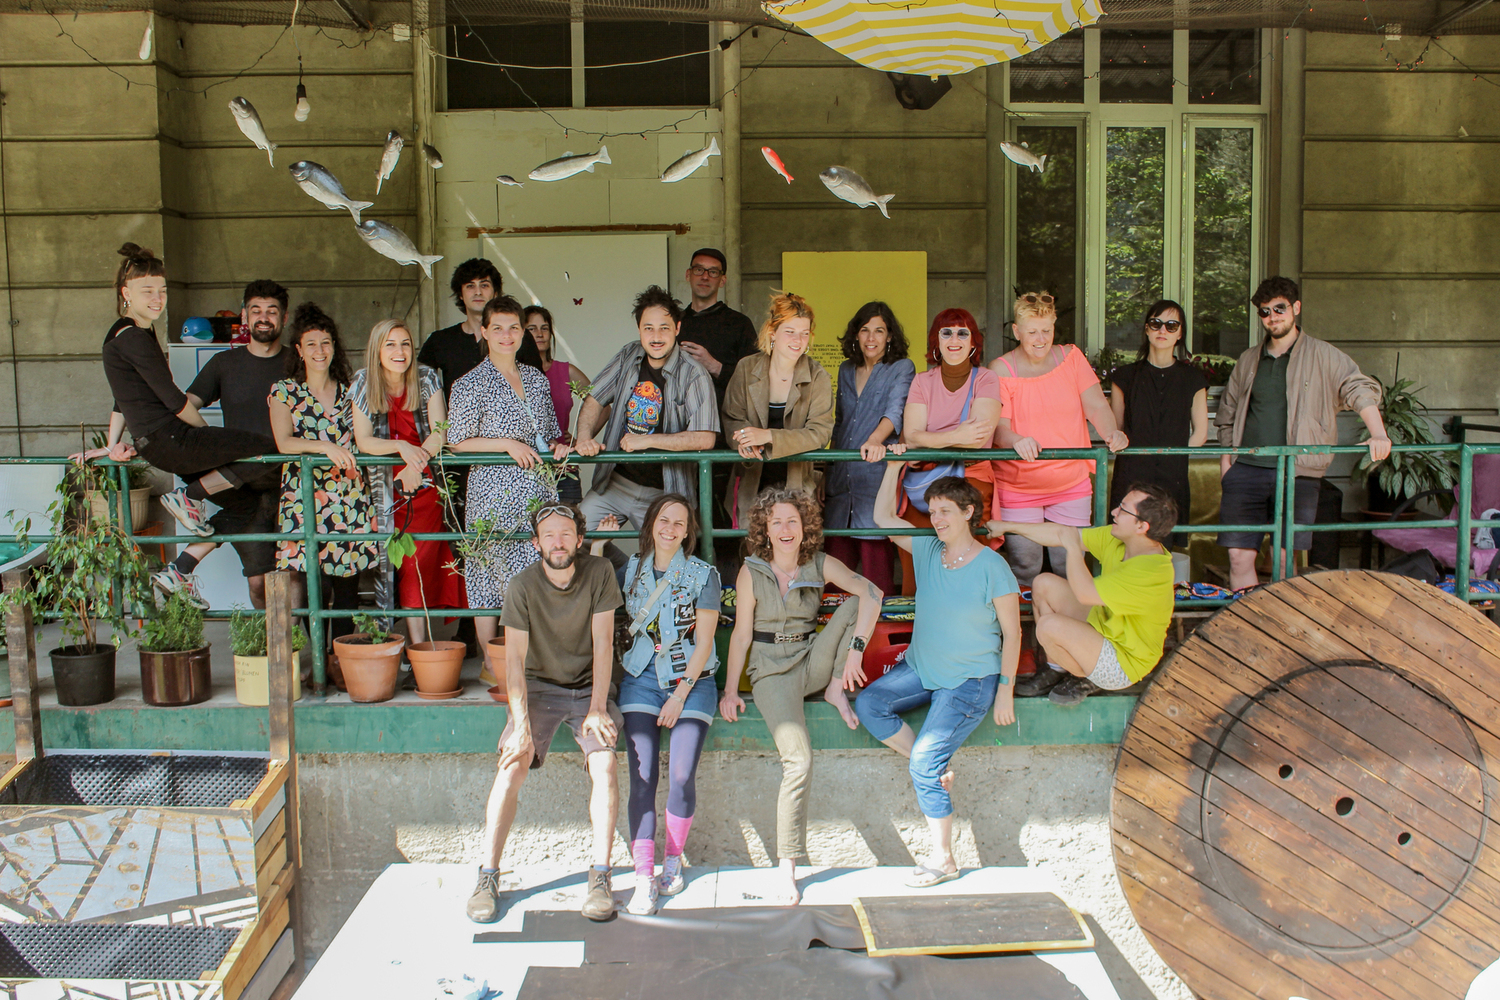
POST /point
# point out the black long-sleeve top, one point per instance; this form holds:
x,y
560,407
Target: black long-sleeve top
x,y
140,379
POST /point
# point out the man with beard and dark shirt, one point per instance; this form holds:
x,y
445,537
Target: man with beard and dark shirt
x,y
239,380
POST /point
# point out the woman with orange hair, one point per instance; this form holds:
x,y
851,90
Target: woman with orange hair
x,y
955,403
1047,392
778,403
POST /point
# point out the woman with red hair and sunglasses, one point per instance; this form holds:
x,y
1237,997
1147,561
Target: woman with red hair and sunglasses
x,y
955,403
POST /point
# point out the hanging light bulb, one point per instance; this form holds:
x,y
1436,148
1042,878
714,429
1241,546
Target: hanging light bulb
x,y
302,106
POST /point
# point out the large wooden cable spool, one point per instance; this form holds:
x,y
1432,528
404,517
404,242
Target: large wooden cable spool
x,y
1301,801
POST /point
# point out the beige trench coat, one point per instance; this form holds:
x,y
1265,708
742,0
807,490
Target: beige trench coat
x,y
808,423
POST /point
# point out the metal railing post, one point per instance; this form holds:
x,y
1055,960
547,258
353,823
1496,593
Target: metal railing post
x,y
1465,514
706,508
1278,514
312,574
125,519
1101,485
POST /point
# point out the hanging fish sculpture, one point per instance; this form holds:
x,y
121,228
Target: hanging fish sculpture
x,y
1022,156
388,158
434,158
568,164
846,184
246,117
320,184
147,38
775,162
388,241
690,162
509,181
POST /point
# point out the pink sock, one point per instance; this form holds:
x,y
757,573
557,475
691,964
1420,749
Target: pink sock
x,y
677,833
644,852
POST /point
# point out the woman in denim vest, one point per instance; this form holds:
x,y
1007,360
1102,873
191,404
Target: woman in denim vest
x,y
673,601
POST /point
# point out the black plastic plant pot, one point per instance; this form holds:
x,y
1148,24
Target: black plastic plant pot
x,y
84,675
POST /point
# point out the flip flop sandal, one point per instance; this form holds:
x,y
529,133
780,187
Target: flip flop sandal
x,y
925,878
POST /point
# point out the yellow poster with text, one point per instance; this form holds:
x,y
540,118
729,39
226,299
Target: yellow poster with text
x,y
837,284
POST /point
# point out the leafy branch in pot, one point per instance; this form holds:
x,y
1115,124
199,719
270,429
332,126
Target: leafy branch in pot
x,y
1409,473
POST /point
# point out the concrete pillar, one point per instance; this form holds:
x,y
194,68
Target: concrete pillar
x,y
1293,117
422,95
729,73
996,296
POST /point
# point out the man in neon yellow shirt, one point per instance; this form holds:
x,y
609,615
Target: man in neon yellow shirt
x,y
1105,632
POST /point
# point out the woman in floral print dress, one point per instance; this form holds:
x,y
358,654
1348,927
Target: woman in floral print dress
x,y
312,414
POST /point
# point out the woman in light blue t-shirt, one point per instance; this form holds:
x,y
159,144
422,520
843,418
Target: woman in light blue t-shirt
x,y
965,649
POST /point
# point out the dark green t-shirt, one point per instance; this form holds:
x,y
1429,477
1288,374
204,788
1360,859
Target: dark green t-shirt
x,y
558,621
1265,418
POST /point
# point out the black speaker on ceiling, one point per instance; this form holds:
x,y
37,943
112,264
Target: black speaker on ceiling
x,y
918,93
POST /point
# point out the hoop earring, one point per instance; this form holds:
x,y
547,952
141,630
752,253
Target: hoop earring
x,y
972,352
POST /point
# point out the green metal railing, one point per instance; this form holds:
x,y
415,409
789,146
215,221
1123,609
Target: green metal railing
x,y
1282,527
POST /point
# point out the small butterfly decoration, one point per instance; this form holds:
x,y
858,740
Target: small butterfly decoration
x,y
578,302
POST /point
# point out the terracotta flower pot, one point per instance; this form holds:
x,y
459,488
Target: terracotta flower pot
x,y
370,669
494,662
436,666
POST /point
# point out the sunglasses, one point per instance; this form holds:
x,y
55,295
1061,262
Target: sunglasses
x,y
1170,325
1038,297
706,272
1279,309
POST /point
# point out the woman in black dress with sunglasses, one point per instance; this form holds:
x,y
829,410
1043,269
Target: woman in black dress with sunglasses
x,y
1160,400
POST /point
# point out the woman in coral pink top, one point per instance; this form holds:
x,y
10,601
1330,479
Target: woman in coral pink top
x,y
1048,396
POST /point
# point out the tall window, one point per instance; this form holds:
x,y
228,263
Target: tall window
x,y
1154,143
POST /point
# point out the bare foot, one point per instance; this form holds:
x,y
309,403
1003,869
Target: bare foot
x,y
786,892
947,781
835,696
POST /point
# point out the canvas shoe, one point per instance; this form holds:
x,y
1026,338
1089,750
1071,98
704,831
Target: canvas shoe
x,y
484,905
191,514
643,901
600,902
170,579
672,879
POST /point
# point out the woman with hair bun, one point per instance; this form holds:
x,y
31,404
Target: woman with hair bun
x,y
873,384
166,427
778,403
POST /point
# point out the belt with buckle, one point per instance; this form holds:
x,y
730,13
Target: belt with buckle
x,y
779,636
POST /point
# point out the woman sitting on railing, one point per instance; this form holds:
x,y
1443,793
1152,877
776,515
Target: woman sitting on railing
x,y
167,428
873,384
397,405
955,403
1159,401
778,595
536,350
1047,393
778,403
502,406
312,413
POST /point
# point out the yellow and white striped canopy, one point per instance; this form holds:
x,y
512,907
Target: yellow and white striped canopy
x,y
934,37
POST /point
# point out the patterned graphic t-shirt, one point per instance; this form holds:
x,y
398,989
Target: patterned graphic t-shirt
x,y
643,412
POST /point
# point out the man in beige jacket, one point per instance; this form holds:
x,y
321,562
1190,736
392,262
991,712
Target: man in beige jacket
x,y
1285,390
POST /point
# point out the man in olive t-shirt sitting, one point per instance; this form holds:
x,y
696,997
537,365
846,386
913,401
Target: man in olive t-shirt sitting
x,y
559,652
1103,632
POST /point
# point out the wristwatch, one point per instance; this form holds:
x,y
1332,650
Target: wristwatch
x,y
687,682
858,643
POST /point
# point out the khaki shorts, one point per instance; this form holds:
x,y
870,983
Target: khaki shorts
x,y
549,706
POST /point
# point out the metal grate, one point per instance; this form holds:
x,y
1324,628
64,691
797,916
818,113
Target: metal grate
x,y
181,781
111,951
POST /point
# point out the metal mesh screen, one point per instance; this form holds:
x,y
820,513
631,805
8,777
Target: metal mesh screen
x,y
111,951
181,781
1352,16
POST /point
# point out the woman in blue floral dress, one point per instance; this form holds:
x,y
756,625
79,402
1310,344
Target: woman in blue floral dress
x,y
312,413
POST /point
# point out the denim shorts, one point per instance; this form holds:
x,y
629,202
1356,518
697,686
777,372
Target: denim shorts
x,y
645,694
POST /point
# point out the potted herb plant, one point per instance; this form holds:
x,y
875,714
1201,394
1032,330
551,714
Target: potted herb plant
x,y
1405,474
174,655
435,664
370,660
92,576
247,641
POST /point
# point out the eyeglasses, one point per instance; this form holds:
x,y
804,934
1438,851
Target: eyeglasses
x,y
1279,309
1038,297
1170,325
1126,510
706,272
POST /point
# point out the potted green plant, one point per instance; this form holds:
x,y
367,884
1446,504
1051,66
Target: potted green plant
x,y
102,504
92,576
1405,474
247,641
174,656
370,660
435,664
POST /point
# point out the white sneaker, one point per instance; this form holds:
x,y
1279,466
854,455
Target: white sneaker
x,y
170,579
191,514
672,880
643,900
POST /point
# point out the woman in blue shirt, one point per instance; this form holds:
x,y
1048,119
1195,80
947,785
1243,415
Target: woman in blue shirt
x,y
965,649
873,383
673,599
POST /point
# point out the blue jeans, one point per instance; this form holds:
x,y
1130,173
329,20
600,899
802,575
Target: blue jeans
x,y
955,713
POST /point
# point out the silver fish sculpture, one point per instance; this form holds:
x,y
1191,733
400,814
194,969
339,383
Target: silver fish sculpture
x,y
388,241
388,158
434,158
321,185
246,117
1019,154
690,162
568,164
846,184
507,179
148,37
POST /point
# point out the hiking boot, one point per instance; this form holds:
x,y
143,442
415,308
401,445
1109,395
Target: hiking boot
x,y
1039,683
672,879
600,902
1072,691
170,579
643,901
191,514
484,904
